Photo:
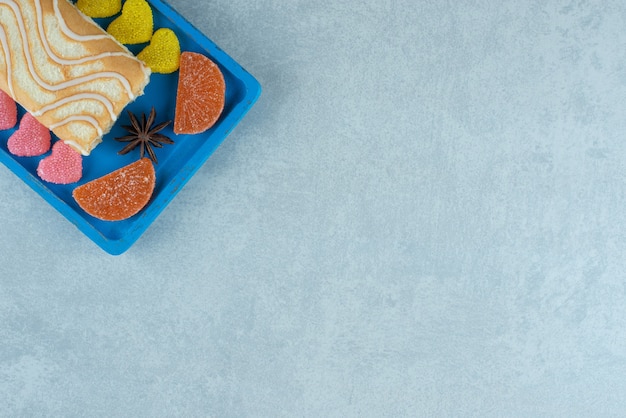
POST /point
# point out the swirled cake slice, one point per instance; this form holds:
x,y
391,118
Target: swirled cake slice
x,y
66,70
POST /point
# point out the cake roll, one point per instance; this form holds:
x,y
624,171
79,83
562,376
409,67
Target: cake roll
x,y
66,70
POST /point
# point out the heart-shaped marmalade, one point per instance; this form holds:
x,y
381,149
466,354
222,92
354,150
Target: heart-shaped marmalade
x,y
163,53
99,8
134,25
31,139
63,166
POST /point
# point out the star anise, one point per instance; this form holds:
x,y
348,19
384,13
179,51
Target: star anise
x,y
144,135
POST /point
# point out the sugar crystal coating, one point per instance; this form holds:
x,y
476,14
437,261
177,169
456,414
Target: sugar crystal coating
x,y
201,94
31,139
163,53
99,8
63,166
119,194
134,25
8,111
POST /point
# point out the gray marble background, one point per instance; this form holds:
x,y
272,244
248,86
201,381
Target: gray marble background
x,y
423,215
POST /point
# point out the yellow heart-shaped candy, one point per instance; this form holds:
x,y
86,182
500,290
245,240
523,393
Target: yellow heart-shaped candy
x,y
134,25
99,8
163,53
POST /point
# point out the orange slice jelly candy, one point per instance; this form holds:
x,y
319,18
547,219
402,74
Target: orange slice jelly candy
x,y
201,94
119,194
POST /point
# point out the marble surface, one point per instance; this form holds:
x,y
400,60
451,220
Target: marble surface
x,y
423,215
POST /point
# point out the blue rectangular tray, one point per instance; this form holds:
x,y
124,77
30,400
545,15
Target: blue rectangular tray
x,y
176,163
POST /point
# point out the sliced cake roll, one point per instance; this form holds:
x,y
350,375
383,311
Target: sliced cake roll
x,y
66,70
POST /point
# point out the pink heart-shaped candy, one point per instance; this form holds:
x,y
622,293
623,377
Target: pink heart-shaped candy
x,y
31,139
8,111
63,166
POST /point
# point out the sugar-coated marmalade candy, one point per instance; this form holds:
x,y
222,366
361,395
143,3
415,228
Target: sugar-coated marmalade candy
x,y
201,94
99,8
134,25
31,139
63,166
8,111
163,53
119,194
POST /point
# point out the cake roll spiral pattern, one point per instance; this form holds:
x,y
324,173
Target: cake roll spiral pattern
x,y
65,70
